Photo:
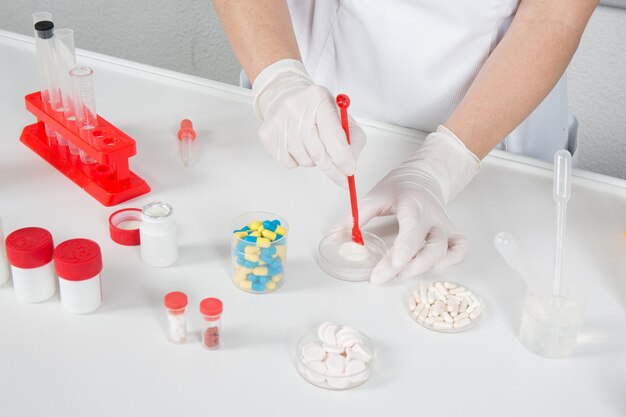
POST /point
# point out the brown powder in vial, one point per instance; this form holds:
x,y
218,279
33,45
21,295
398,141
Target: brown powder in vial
x,y
211,338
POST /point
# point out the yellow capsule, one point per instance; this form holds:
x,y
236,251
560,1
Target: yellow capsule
x,y
270,285
281,251
252,250
267,233
251,257
255,234
255,224
242,269
240,276
277,278
263,242
241,235
260,271
281,230
260,229
245,284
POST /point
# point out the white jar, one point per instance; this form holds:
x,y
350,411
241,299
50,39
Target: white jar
x,y
78,263
159,246
5,271
29,252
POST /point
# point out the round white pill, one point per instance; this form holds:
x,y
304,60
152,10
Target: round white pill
x,y
363,350
354,252
313,352
316,371
321,328
335,349
336,363
338,383
329,334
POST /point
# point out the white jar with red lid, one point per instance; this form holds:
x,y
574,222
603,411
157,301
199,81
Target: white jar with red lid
x,y
29,251
78,263
5,271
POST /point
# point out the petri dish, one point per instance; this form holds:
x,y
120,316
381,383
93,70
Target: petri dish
x,y
430,326
338,266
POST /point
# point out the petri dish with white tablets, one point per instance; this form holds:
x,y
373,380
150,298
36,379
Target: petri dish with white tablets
x,y
343,259
335,357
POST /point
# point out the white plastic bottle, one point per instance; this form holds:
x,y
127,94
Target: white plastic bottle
x,y
5,271
29,252
78,263
158,235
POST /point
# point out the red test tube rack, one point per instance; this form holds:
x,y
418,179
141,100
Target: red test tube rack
x,y
109,180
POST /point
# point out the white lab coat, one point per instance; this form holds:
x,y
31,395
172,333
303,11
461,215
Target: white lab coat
x,y
410,62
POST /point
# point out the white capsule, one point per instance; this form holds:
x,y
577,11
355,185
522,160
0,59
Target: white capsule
x,y
431,297
412,303
474,314
461,316
423,295
462,323
442,325
449,285
457,290
423,314
463,305
454,314
447,317
439,286
418,309
416,295
471,308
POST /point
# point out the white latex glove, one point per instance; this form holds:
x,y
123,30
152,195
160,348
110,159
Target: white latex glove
x,y
416,193
301,124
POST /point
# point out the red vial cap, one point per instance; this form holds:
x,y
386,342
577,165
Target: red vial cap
x,y
123,236
175,300
30,247
211,307
77,259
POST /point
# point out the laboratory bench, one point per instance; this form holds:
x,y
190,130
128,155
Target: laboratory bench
x,y
118,361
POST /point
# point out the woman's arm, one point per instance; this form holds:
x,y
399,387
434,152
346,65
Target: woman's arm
x,y
259,31
521,71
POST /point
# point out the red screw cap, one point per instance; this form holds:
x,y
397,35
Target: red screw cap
x,y
175,300
211,307
77,259
30,247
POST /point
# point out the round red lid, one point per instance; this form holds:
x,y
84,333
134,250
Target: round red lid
x,y
77,259
175,300
211,307
124,226
30,247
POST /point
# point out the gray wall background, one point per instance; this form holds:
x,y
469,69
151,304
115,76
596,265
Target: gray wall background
x,y
186,36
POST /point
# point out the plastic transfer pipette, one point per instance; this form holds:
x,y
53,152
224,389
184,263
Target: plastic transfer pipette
x,y
562,190
343,102
186,136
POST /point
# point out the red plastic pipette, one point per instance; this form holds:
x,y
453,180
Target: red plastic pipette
x,y
343,102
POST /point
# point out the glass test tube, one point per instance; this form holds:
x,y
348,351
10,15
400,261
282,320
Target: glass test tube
x,y
44,45
66,60
84,105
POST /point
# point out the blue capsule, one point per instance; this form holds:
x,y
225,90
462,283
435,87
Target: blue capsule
x,y
273,270
254,278
264,280
269,225
257,286
270,251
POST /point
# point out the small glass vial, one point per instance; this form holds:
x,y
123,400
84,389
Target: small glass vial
x,y
157,234
211,310
175,303
29,252
78,263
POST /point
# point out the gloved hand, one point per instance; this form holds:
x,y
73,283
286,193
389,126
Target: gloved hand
x,y
417,193
301,124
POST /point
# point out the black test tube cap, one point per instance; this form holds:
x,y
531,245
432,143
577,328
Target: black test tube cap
x,y
44,29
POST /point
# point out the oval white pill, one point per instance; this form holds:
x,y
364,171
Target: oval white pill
x,y
423,295
412,303
418,309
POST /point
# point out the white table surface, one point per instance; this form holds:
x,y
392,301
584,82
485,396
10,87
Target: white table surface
x,y
117,360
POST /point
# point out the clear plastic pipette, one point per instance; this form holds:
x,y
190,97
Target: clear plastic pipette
x,y
186,136
562,190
